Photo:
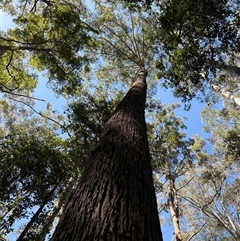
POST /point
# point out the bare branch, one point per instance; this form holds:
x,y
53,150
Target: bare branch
x,y
37,112
129,57
197,232
129,48
20,42
4,48
17,94
185,184
134,39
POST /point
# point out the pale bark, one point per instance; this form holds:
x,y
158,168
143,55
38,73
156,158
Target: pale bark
x,y
226,94
174,208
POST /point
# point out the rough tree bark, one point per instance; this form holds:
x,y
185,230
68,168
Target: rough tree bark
x,y
115,198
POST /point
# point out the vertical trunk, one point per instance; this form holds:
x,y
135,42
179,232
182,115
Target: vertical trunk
x,y
35,216
45,228
115,198
7,209
226,94
174,208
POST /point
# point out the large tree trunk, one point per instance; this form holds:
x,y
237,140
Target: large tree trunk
x,y
115,198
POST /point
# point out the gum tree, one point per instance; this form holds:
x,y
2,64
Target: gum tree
x,y
115,197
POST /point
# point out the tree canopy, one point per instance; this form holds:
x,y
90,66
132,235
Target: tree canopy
x,y
89,53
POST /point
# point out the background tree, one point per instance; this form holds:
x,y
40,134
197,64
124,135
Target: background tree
x,y
32,173
47,36
171,159
198,36
211,199
192,47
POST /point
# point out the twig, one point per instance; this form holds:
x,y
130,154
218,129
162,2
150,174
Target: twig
x,y
196,232
39,113
20,95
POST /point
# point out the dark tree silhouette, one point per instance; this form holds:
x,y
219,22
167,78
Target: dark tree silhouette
x,y
115,198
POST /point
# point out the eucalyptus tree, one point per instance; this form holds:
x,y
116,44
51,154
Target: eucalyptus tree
x,y
211,201
46,36
132,47
62,38
198,40
39,167
197,36
171,159
227,80
115,197
35,169
41,34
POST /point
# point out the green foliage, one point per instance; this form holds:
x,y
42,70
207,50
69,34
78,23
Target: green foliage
x,y
223,124
127,40
211,201
15,77
91,56
233,144
194,37
170,151
51,38
35,166
168,143
86,118
138,4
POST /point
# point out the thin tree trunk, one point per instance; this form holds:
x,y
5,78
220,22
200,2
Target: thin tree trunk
x,y
35,216
174,208
45,228
226,94
9,208
115,198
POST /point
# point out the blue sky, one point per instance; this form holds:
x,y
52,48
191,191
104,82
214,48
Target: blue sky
x,y
193,121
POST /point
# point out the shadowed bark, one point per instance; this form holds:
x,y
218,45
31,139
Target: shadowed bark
x,y
115,198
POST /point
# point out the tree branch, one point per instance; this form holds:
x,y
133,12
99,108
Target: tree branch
x,y
16,94
39,113
196,232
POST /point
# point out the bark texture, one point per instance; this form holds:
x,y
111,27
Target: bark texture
x,y
174,208
227,94
115,198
